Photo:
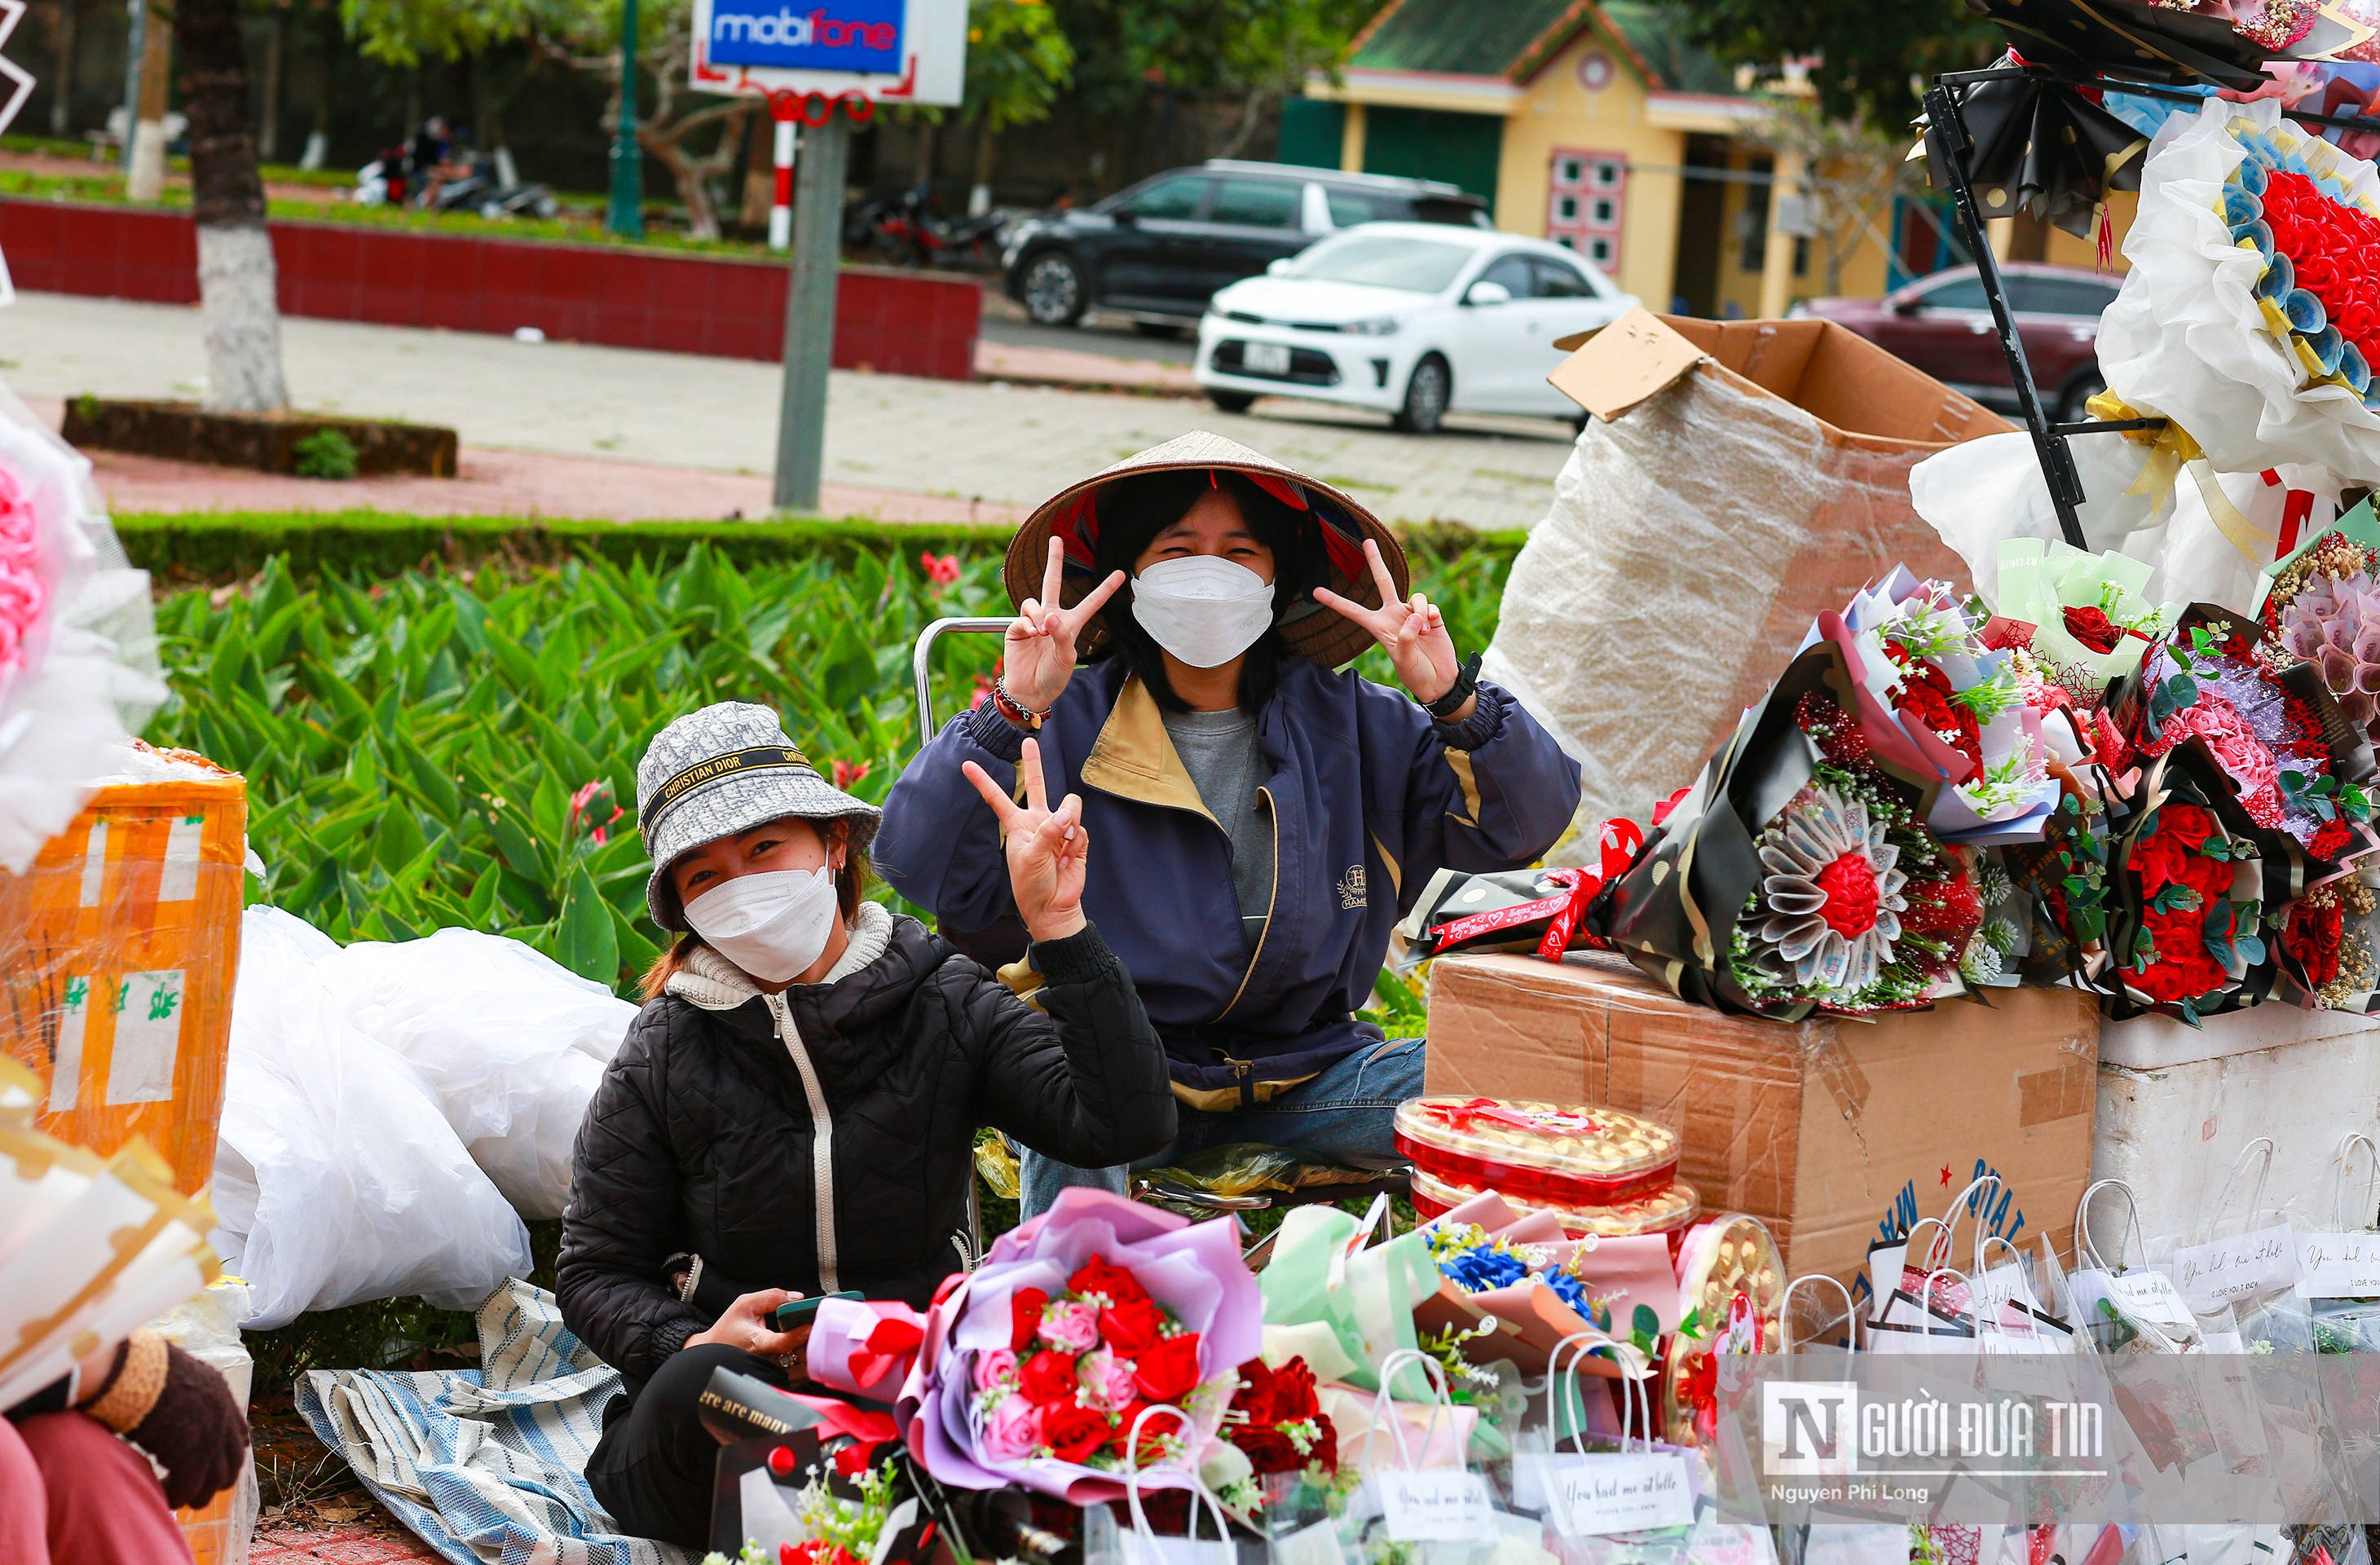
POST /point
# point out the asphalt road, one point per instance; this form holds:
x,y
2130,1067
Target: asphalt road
x,y
1005,322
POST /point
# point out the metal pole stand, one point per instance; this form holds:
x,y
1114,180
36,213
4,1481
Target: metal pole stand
x,y
2048,442
810,309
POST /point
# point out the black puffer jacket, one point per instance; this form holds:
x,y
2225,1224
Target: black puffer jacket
x,y
702,1137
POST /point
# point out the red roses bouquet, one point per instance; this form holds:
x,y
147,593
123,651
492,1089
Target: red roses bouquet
x,y
1033,1369
2190,927
1079,1369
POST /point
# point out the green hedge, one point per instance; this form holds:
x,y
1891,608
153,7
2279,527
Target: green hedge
x,y
215,547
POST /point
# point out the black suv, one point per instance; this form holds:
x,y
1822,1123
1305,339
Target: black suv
x,y
1159,250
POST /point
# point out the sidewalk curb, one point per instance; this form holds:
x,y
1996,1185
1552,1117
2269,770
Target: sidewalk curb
x,y
1111,388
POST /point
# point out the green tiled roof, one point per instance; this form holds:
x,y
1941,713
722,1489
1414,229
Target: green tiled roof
x,y
1657,33
1459,37
1463,38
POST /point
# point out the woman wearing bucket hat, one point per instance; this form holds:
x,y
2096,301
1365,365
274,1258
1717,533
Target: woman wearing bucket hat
x,y
1261,819
794,1109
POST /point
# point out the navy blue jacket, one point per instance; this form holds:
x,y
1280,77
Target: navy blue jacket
x,y
1368,796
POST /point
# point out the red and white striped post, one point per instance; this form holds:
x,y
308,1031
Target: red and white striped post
x,y
784,107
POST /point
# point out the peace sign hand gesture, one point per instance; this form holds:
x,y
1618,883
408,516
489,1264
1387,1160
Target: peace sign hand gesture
x,y
1047,849
1413,631
1038,657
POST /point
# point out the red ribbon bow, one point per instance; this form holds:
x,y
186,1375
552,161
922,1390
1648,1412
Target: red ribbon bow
x,y
892,1340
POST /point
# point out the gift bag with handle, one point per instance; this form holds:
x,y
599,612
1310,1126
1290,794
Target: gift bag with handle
x,y
1105,1543
1834,1542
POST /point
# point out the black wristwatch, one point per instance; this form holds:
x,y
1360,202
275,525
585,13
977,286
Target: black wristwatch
x,y
1466,683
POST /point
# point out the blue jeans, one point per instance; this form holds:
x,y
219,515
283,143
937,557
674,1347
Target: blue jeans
x,y
1345,1115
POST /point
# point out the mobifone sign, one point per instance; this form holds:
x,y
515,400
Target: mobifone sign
x,y
840,35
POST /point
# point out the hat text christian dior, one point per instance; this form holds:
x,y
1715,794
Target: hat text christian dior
x,y
1825,1427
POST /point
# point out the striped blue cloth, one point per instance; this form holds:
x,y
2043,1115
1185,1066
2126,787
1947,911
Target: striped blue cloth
x,y
488,1467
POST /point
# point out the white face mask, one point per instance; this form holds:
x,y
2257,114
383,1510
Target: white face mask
x,y
1205,609
772,923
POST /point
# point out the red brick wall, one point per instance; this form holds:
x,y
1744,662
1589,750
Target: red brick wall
x,y
897,322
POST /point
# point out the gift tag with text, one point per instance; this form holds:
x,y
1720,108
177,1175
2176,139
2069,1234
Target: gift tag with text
x,y
2152,1296
1434,1505
2225,1270
2338,1265
1634,1492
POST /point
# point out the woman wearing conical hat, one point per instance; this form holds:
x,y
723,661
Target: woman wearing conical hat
x,y
1264,820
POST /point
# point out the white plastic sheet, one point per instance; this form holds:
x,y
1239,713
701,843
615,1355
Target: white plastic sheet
x,y
510,1042
1977,494
1691,543
338,1178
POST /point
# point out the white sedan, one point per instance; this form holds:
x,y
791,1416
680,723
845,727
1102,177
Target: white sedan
x,y
1414,320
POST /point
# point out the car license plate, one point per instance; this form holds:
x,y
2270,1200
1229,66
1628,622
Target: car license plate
x,y
1265,358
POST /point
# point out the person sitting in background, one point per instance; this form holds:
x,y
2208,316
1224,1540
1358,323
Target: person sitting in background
x,y
794,1109
74,1489
1264,821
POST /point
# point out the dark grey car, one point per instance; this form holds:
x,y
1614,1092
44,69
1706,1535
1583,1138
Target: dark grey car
x,y
1159,250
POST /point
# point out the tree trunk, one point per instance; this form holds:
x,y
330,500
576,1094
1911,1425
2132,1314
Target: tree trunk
x,y
237,313
276,52
62,95
925,169
980,198
759,172
145,171
318,137
692,173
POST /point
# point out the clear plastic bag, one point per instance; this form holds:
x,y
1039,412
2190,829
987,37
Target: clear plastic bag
x,y
510,1042
337,1179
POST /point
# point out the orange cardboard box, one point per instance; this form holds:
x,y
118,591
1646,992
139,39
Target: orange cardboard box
x,y
1833,1133
117,953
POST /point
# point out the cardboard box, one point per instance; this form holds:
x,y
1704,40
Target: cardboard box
x,y
1861,396
118,949
2177,1109
1833,1133
1735,479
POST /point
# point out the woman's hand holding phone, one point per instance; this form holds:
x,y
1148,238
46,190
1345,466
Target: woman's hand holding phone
x,y
746,1325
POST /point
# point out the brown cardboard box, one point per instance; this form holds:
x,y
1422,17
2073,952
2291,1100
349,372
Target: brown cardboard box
x,y
1864,396
1735,479
1834,1133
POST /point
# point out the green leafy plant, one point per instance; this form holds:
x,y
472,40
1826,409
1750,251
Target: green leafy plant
x,y
420,749
326,453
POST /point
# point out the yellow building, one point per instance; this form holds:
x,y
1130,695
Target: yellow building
x,y
1596,125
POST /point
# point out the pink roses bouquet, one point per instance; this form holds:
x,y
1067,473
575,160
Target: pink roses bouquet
x,y
1032,1370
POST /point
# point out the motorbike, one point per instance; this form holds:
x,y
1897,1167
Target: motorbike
x,y
903,230
388,180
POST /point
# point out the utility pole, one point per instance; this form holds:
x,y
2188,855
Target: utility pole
x,y
627,215
809,310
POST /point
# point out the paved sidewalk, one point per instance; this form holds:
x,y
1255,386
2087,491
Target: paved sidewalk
x,y
904,441
503,484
